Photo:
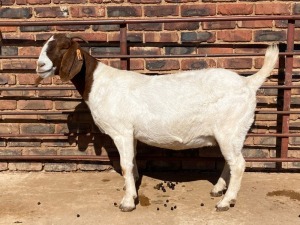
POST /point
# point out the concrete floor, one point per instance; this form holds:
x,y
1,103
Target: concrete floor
x,y
88,198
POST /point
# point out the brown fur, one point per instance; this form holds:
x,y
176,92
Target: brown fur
x,y
73,63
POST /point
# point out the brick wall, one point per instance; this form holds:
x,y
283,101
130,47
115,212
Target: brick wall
x,y
145,39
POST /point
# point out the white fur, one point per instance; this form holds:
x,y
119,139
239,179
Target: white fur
x,y
179,111
44,64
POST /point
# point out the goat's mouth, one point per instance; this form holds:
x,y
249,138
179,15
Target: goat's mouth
x,y
46,73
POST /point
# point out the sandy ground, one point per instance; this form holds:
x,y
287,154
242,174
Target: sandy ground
x,y
88,198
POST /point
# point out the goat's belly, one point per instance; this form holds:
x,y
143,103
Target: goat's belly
x,y
174,142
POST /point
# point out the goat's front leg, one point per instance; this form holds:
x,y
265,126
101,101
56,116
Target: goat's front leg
x,y
125,145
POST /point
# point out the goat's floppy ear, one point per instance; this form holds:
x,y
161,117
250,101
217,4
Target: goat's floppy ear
x,y
71,63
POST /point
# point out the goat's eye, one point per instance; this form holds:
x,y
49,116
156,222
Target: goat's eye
x,y
65,45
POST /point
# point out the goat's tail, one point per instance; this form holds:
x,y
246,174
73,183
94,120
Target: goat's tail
x,y
271,57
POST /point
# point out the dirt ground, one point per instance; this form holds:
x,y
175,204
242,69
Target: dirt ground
x,y
90,198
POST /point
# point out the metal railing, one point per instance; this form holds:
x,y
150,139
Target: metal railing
x,y
124,56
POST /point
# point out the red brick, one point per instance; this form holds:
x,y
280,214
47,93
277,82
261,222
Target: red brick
x,y
162,65
145,1
21,2
24,79
51,12
96,1
161,37
60,167
11,128
218,25
161,11
219,50
15,13
19,36
62,105
256,24
7,79
8,29
113,36
124,11
146,26
18,64
235,63
3,166
35,104
273,8
69,1
115,64
182,26
8,104
37,128
57,93
28,166
180,1
93,36
198,10
235,36
137,64
195,64
145,51
87,11
38,2
235,9
29,50
7,2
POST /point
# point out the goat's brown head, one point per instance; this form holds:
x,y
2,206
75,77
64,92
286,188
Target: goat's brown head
x,y
60,55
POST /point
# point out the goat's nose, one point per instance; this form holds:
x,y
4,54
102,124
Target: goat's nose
x,y
41,64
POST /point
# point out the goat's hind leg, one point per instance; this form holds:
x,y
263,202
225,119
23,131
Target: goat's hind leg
x,y
232,152
237,167
222,183
125,146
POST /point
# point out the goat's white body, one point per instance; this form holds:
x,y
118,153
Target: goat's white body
x,y
179,111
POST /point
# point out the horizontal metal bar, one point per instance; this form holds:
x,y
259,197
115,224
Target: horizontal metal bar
x,y
276,112
112,158
72,88
34,88
88,134
150,20
271,135
161,56
37,112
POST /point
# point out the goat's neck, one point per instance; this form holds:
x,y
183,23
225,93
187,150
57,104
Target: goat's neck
x,y
84,79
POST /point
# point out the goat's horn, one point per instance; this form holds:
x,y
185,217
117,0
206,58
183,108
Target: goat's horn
x,y
73,36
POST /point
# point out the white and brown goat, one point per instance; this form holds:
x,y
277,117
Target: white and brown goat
x,y
178,111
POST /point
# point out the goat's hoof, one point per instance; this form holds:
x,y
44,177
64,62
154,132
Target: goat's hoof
x,y
222,208
216,194
126,208
232,203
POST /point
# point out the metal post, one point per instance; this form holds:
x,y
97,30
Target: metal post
x,y
287,92
123,46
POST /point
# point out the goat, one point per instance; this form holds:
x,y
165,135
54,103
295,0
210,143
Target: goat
x,y
186,110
